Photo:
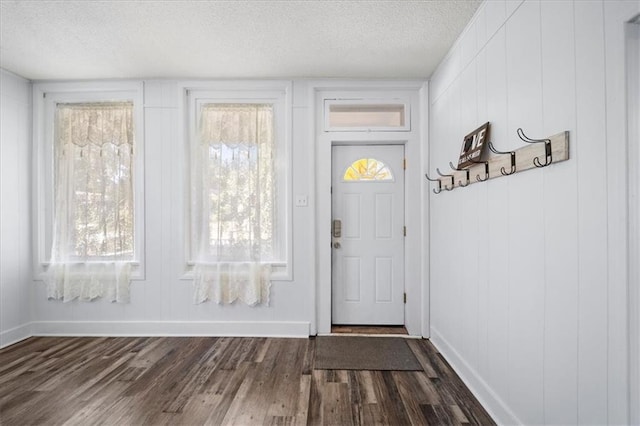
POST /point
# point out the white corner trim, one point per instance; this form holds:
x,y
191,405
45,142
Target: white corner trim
x,y
632,35
491,402
298,329
16,334
425,212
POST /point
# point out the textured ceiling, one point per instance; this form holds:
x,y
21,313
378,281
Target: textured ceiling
x,y
228,39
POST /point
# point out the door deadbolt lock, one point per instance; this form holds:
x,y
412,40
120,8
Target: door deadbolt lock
x,y
336,245
336,228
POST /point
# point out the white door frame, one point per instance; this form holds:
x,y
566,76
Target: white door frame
x,y
416,285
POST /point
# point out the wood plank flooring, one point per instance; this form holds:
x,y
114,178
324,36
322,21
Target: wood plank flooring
x,y
219,381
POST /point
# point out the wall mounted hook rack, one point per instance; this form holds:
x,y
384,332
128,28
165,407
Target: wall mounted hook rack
x,y
554,149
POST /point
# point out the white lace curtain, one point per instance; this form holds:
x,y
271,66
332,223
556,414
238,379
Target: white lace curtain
x,y
92,246
233,209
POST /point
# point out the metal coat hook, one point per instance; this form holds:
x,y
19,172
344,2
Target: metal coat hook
x,y
547,148
461,170
435,180
448,176
486,170
513,159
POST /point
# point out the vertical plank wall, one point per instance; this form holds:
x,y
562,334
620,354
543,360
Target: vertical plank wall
x,y
15,208
528,286
162,302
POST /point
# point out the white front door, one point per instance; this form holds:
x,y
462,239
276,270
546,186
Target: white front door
x,y
368,234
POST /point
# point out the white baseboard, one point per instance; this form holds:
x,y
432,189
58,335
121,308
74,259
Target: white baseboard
x,y
172,328
16,334
491,402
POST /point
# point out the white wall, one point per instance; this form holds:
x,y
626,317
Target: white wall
x,y
162,303
528,272
15,208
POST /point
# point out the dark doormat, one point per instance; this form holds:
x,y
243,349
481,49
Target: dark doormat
x,y
364,353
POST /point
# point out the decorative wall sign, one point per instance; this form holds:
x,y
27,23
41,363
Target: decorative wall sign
x,y
472,146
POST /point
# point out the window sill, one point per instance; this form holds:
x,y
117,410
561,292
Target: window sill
x,y
280,271
133,263
137,270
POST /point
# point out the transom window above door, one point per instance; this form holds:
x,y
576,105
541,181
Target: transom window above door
x,y
366,115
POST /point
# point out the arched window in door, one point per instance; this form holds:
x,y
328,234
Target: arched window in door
x,y
368,169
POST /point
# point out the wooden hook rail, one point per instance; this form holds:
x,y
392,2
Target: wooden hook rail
x,y
537,153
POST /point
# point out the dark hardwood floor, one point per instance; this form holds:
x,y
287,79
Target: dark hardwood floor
x,y
224,380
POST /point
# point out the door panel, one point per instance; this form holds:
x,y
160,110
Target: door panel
x,y
368,256
351,278
384,216
351,216
384,279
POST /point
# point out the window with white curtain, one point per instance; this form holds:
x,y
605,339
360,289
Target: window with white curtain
x,y
93,227
238,216
89,193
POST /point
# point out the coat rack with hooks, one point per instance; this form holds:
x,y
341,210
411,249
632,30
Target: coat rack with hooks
x,y
537,153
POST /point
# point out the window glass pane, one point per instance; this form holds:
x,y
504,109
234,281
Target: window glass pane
x,y
368,169
354,115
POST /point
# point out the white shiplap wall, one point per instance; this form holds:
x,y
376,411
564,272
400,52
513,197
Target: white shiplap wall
x,y
528,272
161,300
162,303
15,208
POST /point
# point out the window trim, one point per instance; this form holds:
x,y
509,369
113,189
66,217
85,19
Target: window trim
x,y
45,97
276,92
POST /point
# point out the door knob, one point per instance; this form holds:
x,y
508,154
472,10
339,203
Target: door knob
x,y
336,245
